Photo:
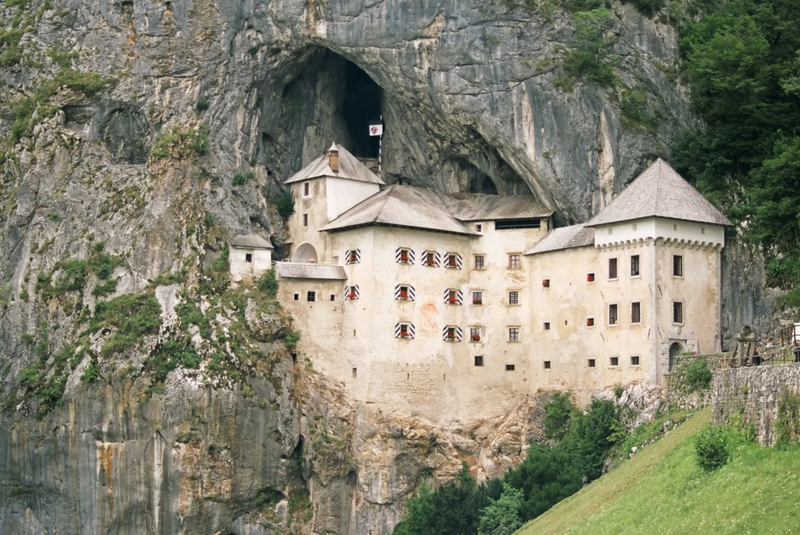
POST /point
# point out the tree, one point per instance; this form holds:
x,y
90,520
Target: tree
x,y
501,516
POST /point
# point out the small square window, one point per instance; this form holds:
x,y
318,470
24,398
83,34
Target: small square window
x,y
590,277
248,257
478,227
591,363
477,298
311,296
452,297
636,312
545,283
353,257
451,335
404,330
546,325
474,334
510,367
479,262
635,265
547,365
333,297
590,322
305,220
429,258
614,361
297,297
677,265
513,297
306,189
677,312
452,261
613,314
404,293
405,257
514,261
612,268
513,334
635,361
478,360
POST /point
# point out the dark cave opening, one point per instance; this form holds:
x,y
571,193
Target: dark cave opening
x,y
362,104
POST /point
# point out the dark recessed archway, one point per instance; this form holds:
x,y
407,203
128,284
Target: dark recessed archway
x,y
362,104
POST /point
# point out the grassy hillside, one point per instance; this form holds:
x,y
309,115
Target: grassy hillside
x,y
663,491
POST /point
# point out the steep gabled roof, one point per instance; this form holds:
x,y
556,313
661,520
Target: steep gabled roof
x,y
401,206
564,238
659,192
350,168
250,241
480,207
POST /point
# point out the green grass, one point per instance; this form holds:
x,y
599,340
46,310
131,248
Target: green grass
x,y
662,490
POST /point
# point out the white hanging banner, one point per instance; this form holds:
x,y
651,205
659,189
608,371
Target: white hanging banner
x,y
375,129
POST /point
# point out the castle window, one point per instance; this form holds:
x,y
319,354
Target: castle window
x,y
547,365
677,265
517,224
478,360
513,297
306,189
355,373
635,265
510,367
404,256
590,322
612,268
453,297
430,259
451,333
590,277
305,220
453,261
702,230
478,227
636,312
474,334
635,360
297,297
545,283
677,312
514,261
351,292
546,325
311,296
248,257
513,334
477,298
404,330
479,262
333,297
614,361
404,292
591,363
613,314
352,257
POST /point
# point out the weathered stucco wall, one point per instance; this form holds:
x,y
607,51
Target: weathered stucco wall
x,y
755,393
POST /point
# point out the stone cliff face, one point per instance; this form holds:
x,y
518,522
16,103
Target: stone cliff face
x,y
138,135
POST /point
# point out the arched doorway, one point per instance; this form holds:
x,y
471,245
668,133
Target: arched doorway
x,y
306,253
675,350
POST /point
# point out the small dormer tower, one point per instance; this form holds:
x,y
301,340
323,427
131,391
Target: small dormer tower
x,y
325,188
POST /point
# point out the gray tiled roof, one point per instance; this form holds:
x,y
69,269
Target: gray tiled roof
x,y
349,168
401,206
250,241
480,207
659,192
291,270
564,238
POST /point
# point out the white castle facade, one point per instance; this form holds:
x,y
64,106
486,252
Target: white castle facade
x,y
460,305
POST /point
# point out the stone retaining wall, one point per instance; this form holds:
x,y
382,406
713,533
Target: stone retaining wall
x,y
755,392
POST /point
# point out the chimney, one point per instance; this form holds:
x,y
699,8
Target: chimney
x,y
333,160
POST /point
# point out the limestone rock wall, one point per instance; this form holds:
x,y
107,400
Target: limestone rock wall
x,y
755,393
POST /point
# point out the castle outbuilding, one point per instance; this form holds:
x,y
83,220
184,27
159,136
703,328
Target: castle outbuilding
x,y
250,256
455,305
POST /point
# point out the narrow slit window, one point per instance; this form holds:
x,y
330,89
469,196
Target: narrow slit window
x,y
612,268
677,265
305,220
306,189
677,312
613,314
635,265
636,312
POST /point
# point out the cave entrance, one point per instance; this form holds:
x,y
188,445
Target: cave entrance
x,y
362,104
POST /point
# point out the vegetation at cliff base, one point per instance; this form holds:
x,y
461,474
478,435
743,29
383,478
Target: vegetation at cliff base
x,y
742,61
546,476
663,489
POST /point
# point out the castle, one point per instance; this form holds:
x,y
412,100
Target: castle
x,y
450,305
